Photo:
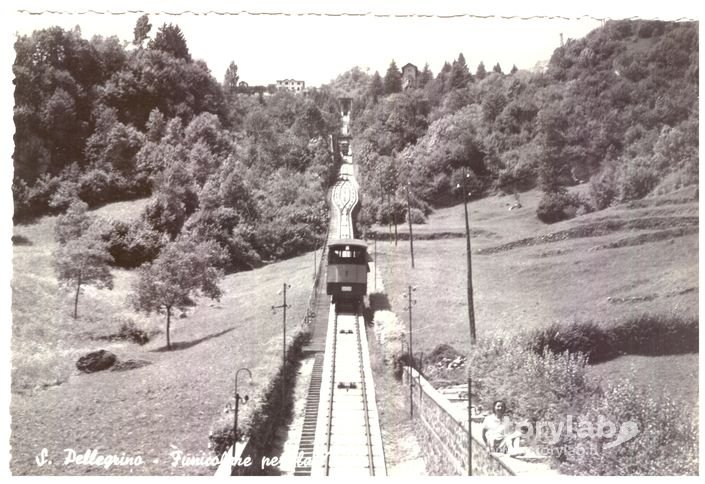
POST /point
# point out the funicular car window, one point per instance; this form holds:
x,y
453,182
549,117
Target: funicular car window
x,y
346,255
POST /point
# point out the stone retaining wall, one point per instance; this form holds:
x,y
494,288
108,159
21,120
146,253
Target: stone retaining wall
x,y
443,434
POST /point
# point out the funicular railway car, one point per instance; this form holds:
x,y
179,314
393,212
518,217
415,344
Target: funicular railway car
x,y
347,270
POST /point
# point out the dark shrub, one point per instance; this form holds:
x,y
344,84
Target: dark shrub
x,y
645,334
583,337
441,352
389,212
645,30
636,178
379,301
130,332
131,245
603,189
417,216
20,240
621,29
32,202
557,206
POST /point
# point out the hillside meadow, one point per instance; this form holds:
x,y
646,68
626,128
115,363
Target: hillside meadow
x,y
169,399
603,267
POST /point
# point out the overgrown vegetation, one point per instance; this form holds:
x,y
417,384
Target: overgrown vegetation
x,y
267,413
543,377
642,334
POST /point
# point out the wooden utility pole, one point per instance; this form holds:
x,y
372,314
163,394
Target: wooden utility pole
x,y
411,231
468,248
375,262
394,217
471,315
389,220
469,421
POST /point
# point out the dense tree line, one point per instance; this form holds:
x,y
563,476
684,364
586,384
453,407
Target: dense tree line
x,y
100,121
617,109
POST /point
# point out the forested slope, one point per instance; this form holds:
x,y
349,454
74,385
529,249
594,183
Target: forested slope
x,y
618,108
104,121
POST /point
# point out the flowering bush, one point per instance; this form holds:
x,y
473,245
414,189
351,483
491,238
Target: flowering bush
x,y
535,386
390,334
665,440
648,436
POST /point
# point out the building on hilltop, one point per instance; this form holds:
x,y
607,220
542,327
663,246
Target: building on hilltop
x,y
291,85
409,76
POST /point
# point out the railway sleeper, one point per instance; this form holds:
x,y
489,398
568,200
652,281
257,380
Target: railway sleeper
x,y
347,386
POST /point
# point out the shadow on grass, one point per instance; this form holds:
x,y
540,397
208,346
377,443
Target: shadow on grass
x,y
188,344
130,365
676,226
378,301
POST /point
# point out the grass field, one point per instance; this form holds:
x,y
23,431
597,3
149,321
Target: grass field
x,y
524,277
676,374
172,400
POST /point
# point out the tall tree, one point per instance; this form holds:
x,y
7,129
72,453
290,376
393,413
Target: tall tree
x,y
481,72
73,223
171,39
376,87
183,270
497,68
552,141
82,257
459,73
113,144
142,28
514,69
426,76
392,79
492,105
231,79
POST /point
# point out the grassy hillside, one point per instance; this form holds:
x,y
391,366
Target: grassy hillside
x,y
172,399
603,266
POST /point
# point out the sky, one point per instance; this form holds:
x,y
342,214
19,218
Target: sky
x,y
316,49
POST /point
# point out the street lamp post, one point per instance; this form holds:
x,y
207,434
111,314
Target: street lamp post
x,y
283,306
235,411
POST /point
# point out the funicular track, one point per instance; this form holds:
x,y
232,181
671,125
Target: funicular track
x,y
349,433
345,438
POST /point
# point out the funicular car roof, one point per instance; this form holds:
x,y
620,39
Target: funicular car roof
x,y
350,242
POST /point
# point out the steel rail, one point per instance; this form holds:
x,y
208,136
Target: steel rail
x,y
332,392
368,431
